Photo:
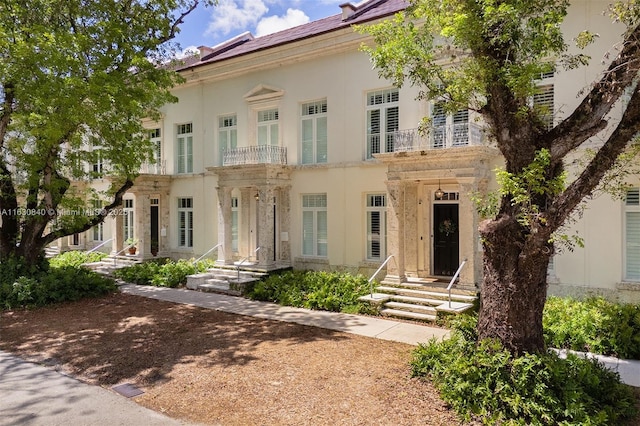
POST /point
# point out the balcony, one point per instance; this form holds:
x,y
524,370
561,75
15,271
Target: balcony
x,y
439,137
261,154
153,168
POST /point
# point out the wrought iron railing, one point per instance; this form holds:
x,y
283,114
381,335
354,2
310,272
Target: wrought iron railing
x,y
438,137
153,168
260,154
453,280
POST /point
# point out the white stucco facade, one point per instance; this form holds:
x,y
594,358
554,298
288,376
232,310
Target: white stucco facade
x,y
347,208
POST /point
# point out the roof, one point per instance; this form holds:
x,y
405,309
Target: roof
x,y
246,43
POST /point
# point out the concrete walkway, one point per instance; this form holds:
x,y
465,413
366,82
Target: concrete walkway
x,y
34,395
355,324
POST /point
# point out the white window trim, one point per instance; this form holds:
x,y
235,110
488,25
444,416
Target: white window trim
x,y
228,131
314,117
315,238
382,237
182,158
382,107
188,243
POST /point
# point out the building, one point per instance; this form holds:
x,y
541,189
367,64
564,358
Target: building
x,y
289,150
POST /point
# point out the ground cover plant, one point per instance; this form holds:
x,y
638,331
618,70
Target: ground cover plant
x,y
483,381
593,325
23,284
162,272
76,258
329,291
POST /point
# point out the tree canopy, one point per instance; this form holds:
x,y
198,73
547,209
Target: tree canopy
x,y
77,77
489,55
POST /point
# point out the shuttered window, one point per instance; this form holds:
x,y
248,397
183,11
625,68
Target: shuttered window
x,y
185,222
234,224
376,226
314,225
383,120
632,235
543,101
184,142
449,130
314,132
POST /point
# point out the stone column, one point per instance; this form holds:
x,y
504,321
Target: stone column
x,y
142,229
265,226
225,256
469,236
116,232
395,232
285,224
244,222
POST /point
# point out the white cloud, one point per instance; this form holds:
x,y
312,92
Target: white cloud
x,y
272,24
231,15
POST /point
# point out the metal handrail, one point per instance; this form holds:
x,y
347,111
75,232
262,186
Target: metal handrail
x,y
115,256
99,245
240,263
453,280
376,273
209,251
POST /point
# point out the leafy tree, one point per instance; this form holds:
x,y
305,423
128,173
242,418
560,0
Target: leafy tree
x,y
487,55
76,79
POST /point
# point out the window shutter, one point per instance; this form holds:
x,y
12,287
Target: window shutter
x,y
321,155
322,233
307,233
189,154
307,141
633,245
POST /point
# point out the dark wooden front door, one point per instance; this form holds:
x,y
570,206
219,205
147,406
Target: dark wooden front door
x,y
445,239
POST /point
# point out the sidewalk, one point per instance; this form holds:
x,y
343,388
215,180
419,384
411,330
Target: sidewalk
x,y
34,395
379,328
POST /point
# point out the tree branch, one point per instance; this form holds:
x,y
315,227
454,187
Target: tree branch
x,y
589,117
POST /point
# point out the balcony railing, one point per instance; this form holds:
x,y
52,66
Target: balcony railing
x,y
261,154
438,137
153,168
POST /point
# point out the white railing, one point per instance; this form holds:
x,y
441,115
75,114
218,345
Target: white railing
x,y
438,137
219,245
376,273
260,154
153,168
239,264
115,257
453,280
99,245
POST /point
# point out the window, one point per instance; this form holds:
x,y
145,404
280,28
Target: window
x,y
127,220
185,222
185,148
268,127
314,225
376,227
543,103
449,129
156,140
383,117
96,158
227,135
632,235
314,132
98,230
234,224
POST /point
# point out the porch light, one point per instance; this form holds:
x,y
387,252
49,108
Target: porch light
x,y
257,196
439,192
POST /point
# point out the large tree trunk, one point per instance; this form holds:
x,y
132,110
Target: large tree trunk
x,y
514,290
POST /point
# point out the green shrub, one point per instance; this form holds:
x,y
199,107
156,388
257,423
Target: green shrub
x,y
483,381
593,325
75,258
162,272
330,291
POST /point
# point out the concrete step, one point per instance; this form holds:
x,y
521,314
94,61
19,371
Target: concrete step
x,y
426,294
218,288
421,309
417,300
407,314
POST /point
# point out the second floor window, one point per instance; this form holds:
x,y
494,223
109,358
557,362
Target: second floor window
x,y
449,129
156,141
227,135
184,143
268,127
383,119
543,101
314,132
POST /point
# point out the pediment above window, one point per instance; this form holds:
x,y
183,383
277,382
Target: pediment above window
x,y
262,92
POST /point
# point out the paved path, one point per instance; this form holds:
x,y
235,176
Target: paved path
x,y
34,395
355,324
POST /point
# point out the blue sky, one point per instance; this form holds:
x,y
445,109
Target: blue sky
x,y
213,25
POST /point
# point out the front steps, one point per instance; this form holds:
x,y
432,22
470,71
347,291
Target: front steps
x,y
110,263
225,280
419,299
